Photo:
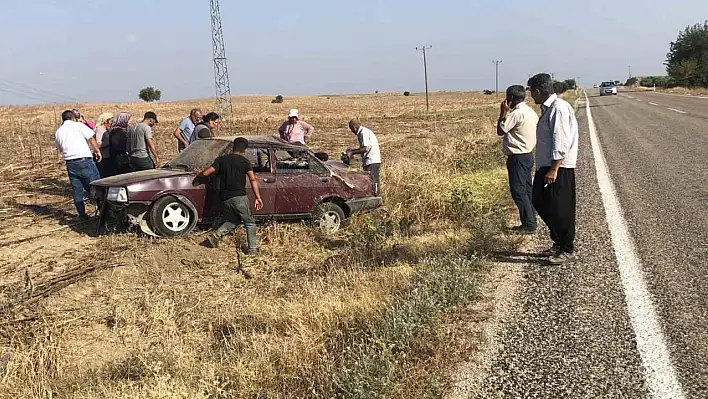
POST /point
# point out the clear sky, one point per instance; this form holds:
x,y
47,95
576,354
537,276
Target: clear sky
x,y
106,50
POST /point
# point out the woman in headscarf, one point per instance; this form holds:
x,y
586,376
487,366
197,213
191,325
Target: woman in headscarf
x,y
115,139
105,120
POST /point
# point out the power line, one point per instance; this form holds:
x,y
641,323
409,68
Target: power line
x,y
41,92
425,69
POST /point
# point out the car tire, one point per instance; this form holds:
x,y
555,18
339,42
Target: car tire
x,y
328,217
170,217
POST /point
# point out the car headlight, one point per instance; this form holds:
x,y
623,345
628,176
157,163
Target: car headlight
x,y
117,194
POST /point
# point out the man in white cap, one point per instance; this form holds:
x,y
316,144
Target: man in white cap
x,y
294,130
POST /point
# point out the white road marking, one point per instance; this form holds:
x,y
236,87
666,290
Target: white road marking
x,y
639,100
660,376
628,96
677,110
656,105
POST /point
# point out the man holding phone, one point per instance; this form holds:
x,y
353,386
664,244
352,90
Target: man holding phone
x,y
517,125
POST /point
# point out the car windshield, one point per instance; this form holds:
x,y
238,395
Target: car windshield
x,y
199,155
607,84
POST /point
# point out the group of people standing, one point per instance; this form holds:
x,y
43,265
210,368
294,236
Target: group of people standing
x,y
554,136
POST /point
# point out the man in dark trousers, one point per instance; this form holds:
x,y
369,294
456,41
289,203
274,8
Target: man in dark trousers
x,y
517,126
556,156
232,170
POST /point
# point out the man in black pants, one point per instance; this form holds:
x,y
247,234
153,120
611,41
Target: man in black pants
x,y
232,171
517,125
556,156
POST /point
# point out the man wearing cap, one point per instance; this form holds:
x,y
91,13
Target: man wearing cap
x,y
294,130
140,141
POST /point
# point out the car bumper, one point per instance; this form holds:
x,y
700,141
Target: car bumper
x,y
363,204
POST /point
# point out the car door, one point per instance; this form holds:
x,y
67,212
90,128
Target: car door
x,y
302,181
263,169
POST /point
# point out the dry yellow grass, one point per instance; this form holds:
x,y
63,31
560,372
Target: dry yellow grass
x,y
169,318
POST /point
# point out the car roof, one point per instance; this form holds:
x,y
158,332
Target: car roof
x,y
272,141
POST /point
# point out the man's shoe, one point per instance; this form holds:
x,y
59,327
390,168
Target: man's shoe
x,y
552,251
562,258
523,230
83,218
212,241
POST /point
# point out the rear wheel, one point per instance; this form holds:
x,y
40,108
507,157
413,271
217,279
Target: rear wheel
x,y
328,217
169,217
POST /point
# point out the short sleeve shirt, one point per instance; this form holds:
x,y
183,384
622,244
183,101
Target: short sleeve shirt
x,y
367,138
137,134
71,140
186,128
232,170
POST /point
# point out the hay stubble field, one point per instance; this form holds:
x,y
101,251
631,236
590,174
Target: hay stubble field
x,y
369,313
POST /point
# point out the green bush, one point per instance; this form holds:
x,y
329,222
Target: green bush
x,y
406,93
278,99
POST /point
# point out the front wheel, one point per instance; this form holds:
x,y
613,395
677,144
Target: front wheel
x,y
169,217
328,217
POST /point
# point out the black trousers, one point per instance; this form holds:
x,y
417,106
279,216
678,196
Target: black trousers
x,y
556,206
519,168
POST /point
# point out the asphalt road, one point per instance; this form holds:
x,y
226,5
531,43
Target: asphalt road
x,y
574,334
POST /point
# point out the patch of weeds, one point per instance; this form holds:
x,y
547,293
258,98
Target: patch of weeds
x,y
480,157
375,354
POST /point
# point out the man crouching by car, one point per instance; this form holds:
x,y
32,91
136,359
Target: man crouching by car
x,y
232,170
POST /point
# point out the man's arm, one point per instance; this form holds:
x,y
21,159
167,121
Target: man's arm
x,y
256,191
207,172
561,142
308,129
178,136
151,144
96,149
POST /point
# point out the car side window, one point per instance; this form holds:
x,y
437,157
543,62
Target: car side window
x,y
260,159
297,161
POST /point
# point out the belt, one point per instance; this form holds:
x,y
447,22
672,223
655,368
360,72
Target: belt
x,y
78,159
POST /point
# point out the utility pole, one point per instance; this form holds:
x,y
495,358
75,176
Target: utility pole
x,y
425,70
630,71
496,75
221,70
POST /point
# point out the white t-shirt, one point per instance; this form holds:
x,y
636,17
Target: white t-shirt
x,y
367,138
71,140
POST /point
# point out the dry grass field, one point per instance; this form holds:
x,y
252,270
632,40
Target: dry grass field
x,y
363,314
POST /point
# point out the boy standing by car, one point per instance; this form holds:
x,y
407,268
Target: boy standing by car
x,y
232,170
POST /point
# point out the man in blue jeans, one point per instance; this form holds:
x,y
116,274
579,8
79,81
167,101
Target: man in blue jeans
x,y
232,170
73,139
517,125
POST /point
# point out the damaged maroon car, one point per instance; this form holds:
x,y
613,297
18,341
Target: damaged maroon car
x,y
295,184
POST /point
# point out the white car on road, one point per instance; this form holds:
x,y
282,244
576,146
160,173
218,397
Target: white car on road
x,y
608,88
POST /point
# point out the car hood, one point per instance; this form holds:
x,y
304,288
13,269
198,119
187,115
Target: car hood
x,y
137,177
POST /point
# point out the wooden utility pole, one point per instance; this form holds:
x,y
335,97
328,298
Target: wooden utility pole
x,y
425,70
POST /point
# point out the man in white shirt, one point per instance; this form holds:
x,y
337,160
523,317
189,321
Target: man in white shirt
x,y
73,139
556,156
517,125
369,150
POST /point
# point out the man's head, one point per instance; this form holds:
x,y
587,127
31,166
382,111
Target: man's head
x,y
354,125
515,95
195,115
212,119
68,115
293,116
541,87
240,145
150,118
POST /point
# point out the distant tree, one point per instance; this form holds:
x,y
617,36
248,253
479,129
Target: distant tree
x,y
278,99
571,84
406,93
631,82
617,82
150,94
376,92
687,59
560,87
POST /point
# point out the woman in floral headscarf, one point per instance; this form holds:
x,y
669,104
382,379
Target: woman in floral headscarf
x,y
115,139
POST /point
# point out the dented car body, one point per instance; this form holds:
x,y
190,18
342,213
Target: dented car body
x,y
294,183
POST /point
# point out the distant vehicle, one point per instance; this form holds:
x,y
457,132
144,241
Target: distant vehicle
x,y
608,88
295,184
596,86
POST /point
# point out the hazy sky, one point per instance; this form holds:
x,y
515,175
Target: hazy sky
x,y
106,50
